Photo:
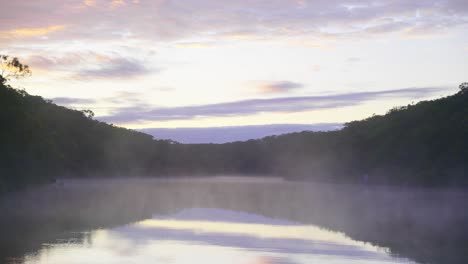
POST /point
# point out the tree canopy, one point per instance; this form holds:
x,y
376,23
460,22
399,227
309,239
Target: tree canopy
x,y
463,87
11,67
421,144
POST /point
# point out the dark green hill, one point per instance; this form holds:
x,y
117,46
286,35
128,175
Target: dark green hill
x,y
40,141
421,144
425,144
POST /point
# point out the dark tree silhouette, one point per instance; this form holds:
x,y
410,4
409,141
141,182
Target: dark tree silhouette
x,y
421,144
88,113
463,87
11,67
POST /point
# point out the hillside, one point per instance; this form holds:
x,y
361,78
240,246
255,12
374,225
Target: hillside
x,y
421,144
41,141
424,144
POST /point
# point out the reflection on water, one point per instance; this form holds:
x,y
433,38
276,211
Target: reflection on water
x,y
212,236
47,224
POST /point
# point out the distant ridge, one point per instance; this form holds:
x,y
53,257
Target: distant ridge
x,y
194,135
423,144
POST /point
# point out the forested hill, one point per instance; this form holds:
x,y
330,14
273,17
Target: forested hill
x,y
41,141
421,144
425,144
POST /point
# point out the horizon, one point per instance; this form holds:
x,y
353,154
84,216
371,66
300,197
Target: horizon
x,y
227,134
201,65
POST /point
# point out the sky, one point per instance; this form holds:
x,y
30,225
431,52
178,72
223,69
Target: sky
x,y
251,63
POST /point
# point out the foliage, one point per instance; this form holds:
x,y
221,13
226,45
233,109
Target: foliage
x,y
41,141
463,87
88,113
421,144
11,67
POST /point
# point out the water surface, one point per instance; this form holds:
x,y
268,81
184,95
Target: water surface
x,y
208,235
232,220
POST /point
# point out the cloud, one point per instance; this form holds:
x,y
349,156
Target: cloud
x,y
89,65
57,62
115,68
30,32
89,3
254,106
233,133
163,20
72,101
119,98
271,260
278,87
118,3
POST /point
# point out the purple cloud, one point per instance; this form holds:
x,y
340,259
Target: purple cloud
x,y
64,61
181,19
72,101
254,106
89,65
118,98
279,87
115,68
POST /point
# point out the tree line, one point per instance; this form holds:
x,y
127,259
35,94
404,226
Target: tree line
x,y
419,144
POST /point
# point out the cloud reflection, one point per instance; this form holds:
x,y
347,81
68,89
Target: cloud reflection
x,y
215,236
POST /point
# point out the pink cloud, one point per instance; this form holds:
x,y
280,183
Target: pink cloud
x,y
278,86
181,19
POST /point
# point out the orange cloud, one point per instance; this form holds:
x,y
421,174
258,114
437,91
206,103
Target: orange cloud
x,y
118,3
28,32
89,3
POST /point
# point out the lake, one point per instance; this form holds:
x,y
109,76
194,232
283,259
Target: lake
x,y
231,220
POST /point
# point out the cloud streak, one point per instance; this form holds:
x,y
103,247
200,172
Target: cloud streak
x,y
115,68
279,86
92,65
72,101
255,106
116,99
27,32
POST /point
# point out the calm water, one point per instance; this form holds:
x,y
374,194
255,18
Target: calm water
x,y
202,235
231,220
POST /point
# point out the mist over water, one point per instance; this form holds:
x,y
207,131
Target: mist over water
x,y
231,220
208,235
